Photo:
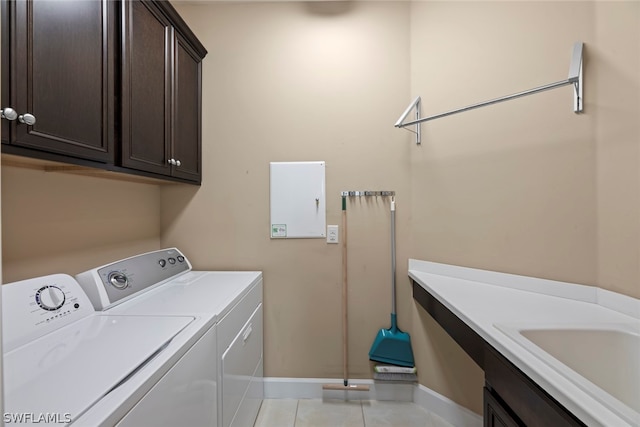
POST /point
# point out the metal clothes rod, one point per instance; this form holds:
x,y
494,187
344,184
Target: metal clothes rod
x,y
367,193
575,79
490,102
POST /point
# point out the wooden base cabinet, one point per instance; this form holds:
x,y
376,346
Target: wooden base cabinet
x,y
521,396
511,398
496,414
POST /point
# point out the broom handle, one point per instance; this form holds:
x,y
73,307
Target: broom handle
x,y
345,352
393,256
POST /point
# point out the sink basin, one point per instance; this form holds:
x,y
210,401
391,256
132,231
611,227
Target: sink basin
x,y
601,359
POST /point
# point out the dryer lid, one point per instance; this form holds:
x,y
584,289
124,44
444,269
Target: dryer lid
x,y
210,294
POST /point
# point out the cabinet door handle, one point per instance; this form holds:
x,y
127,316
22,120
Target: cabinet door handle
x,y
178,163
246,333
9,113
27,119
171,161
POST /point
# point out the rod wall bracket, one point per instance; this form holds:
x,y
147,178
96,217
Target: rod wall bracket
x,y
399,123
575,77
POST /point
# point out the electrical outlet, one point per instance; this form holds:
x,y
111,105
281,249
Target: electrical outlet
x,y
332,234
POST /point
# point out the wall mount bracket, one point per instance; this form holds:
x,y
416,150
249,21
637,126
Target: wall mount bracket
x,y
575,78
367,193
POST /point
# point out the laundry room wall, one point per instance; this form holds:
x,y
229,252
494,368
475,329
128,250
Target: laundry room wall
x,y
525,186
66,223
615,113
293,81
1,360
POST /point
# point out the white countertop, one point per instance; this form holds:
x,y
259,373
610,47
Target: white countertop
x,y
482,299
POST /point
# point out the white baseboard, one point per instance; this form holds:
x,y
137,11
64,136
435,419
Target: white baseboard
x,y
311,388
445,408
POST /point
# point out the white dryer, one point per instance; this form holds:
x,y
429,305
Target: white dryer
x,y
64,363
228,304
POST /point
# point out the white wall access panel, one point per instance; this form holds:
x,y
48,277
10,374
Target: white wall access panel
x,y
298,200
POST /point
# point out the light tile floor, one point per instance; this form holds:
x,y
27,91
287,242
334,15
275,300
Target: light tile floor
x,y
341,413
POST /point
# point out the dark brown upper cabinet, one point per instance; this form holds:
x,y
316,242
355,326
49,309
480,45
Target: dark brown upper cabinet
x,y
111,84
187,117
58,66
161,92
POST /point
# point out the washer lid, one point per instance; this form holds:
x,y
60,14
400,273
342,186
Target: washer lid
x,y
67,371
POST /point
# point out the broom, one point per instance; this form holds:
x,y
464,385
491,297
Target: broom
x,y
345,353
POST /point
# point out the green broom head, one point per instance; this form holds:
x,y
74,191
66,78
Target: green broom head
x,y
392,346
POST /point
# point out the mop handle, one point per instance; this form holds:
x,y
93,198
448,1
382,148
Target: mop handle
x,y
345,348
393,256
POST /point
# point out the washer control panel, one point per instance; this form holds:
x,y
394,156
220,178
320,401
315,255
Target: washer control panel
x,y
123,279
35,307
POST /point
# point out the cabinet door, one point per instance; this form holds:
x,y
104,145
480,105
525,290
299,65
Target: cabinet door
x,y
495,414
60,69
146,87
187,112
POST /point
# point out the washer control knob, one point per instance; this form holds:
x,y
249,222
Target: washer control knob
x,y
162,262
180,258
50,298
171,260
118,280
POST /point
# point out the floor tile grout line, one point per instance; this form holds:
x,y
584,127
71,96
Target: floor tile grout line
x,y
364,422
295,414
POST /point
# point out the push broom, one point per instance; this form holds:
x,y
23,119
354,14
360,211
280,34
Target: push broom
x,y
392,346
345,349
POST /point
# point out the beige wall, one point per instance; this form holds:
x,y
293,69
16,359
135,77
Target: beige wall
x,y
525,187
63,223
509,187
1,350
299,82
615,114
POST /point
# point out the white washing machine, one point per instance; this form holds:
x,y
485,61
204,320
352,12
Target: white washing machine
x,y
229,306
65,363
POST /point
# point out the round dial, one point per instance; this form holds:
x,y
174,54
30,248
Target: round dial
x,y
50,298
118,280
